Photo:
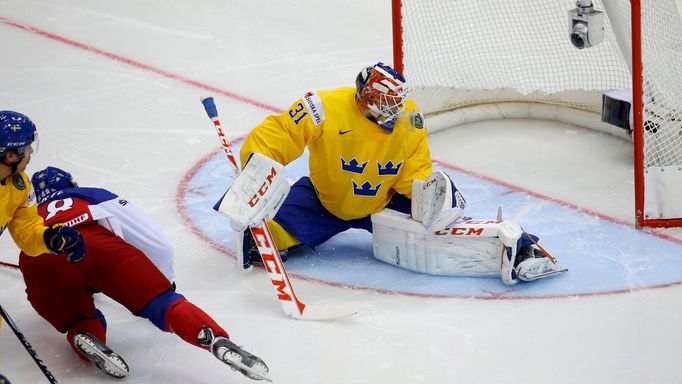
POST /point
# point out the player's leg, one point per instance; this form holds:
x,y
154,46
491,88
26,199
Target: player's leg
x,y
57,290
466,248
247,251
172,312
127,276
96,327
60,294
533,263
304,217
123,273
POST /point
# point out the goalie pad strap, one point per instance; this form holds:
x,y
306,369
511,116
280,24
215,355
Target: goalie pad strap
x,y
256,194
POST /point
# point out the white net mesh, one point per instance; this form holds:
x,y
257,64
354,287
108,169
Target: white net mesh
x,y
454,49
461,54
662,86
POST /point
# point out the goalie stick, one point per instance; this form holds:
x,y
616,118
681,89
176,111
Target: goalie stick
x,y
272,261
28,346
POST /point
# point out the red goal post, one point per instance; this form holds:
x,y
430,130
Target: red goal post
x,y
491,59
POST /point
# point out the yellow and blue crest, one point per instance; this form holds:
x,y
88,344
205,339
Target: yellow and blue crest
x,y
366,189
389,169
353,166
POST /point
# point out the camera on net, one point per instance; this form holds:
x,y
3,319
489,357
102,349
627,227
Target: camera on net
x,y
585,25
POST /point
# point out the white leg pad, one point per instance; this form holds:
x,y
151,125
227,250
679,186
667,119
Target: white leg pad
x,y
509,234
465,248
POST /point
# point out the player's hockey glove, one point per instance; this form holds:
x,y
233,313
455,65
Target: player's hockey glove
x,y
62,239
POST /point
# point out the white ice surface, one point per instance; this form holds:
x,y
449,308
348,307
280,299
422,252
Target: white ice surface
x,y
123,125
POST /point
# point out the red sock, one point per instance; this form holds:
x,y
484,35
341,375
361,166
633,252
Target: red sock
x,y
187,320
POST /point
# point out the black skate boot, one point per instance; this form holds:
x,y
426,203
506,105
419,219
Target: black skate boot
x,y
104,358
526,253
247,251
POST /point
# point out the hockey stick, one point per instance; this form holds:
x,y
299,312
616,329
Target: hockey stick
x,y
9,265
272,261
28,346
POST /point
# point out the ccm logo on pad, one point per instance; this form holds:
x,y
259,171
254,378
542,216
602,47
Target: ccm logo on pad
x,y
263,188
428,184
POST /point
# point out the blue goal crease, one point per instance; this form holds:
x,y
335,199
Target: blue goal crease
x,y
602,256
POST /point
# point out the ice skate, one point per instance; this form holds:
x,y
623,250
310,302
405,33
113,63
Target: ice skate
x,y
245,247
247,253
229,353
533,264
104,358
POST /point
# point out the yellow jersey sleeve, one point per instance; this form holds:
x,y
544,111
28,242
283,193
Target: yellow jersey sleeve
x,y
281,137
20,215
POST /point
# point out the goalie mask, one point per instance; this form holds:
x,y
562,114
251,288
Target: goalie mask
x,y
17,132
381,94
51,180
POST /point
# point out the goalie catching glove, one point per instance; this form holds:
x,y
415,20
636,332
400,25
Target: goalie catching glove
x,y
436,202
256,194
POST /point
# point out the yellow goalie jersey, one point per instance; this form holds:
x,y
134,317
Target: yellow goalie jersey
x,y
19,213
355,165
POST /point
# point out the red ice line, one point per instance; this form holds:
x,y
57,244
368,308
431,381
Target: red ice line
x,y
138,64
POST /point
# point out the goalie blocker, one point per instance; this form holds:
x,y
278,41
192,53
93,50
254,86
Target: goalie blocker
x,y
464,248
256,194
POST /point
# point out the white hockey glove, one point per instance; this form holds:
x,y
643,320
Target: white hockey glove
x,y
257,193
436,202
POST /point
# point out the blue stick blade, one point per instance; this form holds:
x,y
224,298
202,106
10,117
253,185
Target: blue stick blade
x,y
209,106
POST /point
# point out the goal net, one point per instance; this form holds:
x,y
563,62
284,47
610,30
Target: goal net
x,y
493,59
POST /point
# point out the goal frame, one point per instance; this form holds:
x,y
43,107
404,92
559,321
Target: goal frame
x,y
637,104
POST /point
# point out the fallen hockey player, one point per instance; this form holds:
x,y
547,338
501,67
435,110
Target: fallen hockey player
x,y
62,292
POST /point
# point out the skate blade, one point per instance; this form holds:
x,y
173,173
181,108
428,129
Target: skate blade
x,y
117,369
543,275
239,365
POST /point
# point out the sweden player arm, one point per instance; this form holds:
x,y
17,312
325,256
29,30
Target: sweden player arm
x,y
281,137
27,227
